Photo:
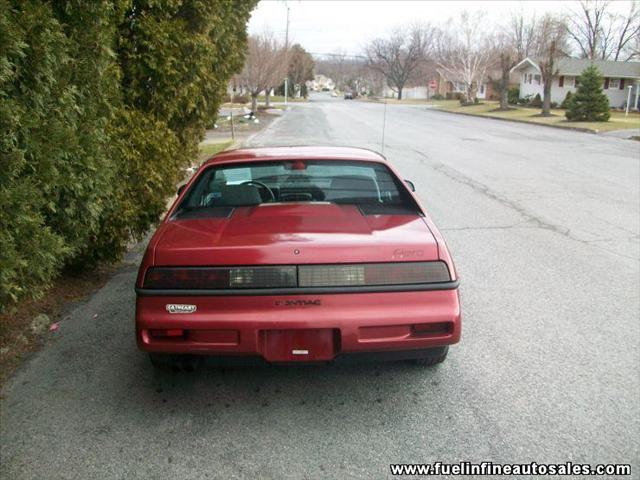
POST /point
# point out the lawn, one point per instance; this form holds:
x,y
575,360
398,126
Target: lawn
x,y
207,150
618,121
280,98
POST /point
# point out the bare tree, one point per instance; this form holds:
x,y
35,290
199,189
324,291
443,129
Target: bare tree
x,y
264,66
464,54
399,56
552,40
520,38
599,33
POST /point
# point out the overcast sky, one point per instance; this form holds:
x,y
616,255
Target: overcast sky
x,y
330,26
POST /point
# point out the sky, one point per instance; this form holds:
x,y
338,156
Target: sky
x,y
323,26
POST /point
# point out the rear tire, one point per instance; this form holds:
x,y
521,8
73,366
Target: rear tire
x,y
431,361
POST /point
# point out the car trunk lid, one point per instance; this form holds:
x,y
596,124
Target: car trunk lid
x,y
295,233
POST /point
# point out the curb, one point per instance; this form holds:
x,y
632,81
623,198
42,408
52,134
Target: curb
x,y
575,129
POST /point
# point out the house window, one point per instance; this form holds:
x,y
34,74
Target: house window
x,y
561,81
576,81
537,79
614,83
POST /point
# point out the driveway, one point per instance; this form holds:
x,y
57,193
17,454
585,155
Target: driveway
x,y
544,227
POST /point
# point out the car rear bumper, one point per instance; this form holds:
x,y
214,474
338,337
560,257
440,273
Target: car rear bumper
x,y
301,327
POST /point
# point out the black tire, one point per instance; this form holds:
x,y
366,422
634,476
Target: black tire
x,y
174,363
431,361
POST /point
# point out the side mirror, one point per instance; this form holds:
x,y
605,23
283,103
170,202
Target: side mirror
x,y
410,184
181,188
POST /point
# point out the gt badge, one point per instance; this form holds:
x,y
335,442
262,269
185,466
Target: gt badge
x,y
181,308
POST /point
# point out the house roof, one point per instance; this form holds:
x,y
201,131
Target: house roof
x,y
575,66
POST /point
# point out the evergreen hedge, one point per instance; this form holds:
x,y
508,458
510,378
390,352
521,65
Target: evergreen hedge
x,y
102,104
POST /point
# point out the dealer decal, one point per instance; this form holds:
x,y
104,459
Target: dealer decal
x,y
181,308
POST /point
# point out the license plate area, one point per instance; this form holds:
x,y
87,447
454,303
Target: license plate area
x,y
299,345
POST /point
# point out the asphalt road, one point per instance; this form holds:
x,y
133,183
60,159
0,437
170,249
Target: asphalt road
x,y
544,228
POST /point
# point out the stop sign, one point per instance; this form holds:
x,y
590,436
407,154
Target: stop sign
x,y
432,84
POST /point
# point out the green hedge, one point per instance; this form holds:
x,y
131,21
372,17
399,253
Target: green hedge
x,y
102,103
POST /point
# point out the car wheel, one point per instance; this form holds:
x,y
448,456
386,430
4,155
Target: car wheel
x,y
431,361
175,363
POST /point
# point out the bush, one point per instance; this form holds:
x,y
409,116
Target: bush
x,y
437,96
536,101
101,105
524,100
236,98
553,104
454,95
589,103
513,95
565,102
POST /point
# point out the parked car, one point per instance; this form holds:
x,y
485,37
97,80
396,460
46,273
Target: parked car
x,y
297,254
348,96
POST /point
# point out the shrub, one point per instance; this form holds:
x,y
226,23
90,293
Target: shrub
x,y
454,95
437,96
236,98
524,100
567,99
101,105
513,95
536,101
589,103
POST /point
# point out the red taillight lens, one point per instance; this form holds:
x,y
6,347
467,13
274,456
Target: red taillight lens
x,y
220,277
167,333
372,274
186,278
291,276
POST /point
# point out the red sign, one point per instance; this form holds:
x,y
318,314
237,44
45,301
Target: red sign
x,y
432,84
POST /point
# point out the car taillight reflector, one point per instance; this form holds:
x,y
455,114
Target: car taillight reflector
x,y
220,277
372,274
291,276
167,333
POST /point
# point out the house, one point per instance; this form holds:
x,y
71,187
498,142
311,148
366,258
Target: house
x,y
408,92
618,77
453,87
320,82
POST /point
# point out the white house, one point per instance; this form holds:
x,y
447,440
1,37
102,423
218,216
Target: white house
x,y
320,82
618,77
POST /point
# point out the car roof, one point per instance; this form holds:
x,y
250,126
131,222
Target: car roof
x,y
296,153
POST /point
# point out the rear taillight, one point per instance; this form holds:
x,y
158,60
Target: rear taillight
x,y
167,333
220,278
291,276
372,274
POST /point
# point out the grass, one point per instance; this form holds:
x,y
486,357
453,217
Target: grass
x,y
280,98
618,121
210,149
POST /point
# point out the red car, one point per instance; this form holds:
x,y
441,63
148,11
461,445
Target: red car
x,y
297,254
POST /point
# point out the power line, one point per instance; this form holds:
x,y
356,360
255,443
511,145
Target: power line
x,y
341,55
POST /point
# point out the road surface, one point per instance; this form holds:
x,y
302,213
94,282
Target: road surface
x,y
544,228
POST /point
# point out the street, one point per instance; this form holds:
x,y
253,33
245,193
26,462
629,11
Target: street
x,y
543,225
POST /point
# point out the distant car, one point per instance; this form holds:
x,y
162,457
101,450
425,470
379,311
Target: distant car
x,y
297,254
348,96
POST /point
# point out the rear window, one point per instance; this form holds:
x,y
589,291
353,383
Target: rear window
x,y
369,185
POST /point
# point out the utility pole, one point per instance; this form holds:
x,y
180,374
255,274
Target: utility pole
x,y
286,52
